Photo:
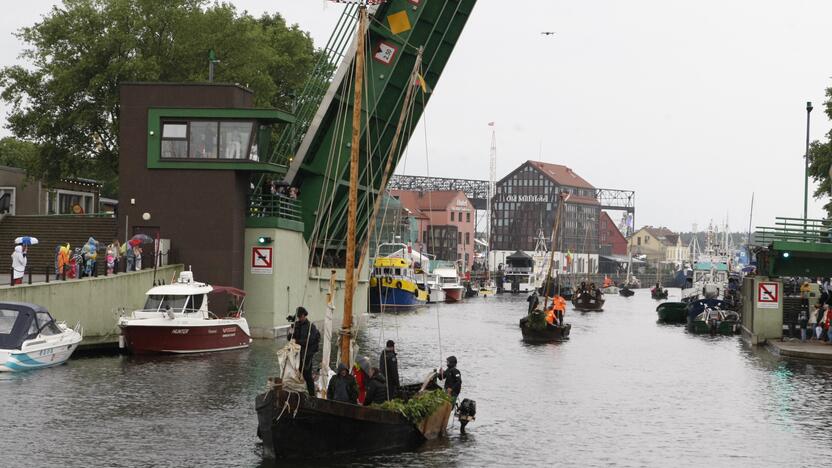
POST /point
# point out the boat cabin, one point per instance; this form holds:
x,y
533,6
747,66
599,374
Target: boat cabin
x,y
20,322
393,267
186,297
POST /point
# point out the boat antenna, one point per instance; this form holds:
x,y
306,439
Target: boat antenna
x,y
349,267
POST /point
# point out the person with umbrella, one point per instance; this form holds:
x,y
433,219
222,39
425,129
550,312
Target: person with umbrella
x,y
18,264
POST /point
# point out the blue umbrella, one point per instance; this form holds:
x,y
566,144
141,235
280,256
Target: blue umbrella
x,y
26,240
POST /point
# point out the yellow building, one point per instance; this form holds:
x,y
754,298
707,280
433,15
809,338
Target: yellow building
x,y
657,244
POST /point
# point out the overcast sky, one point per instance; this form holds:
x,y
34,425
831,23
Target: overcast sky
x,y
692,104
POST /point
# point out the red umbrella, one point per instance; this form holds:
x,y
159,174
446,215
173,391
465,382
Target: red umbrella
x,y
134,242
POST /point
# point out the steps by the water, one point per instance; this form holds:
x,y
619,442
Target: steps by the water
x,y
50,232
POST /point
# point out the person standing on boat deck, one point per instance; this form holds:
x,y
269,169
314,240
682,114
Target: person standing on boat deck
x,y
307,336
342,387
452,378
361,370
389,366
18,264
376,388
534,300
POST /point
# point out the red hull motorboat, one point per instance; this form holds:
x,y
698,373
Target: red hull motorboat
x,y
176,319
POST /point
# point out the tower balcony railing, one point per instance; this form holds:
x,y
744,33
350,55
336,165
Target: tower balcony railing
x,y
794,230
274,206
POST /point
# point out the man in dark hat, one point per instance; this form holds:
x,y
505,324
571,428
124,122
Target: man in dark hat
x,y
389,366
307,336
452,378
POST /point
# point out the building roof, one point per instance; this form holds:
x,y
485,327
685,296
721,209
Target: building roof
x,y
427,201
663,234
561,175
581,200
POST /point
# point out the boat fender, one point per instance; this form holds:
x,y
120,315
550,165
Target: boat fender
x,y
398,284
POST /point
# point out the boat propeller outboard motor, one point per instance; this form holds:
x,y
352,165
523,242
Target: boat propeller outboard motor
x,y
466,412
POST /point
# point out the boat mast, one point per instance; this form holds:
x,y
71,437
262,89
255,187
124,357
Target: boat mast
x,y
492,176
561,201
349,277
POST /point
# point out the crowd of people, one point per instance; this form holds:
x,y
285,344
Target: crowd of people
x,y
80,262
278,188
816,322
363,384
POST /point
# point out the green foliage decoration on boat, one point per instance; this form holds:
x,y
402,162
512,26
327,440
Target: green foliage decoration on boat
x,y
537,320
419,407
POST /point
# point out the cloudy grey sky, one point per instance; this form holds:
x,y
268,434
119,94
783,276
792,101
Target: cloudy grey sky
x,y
692,104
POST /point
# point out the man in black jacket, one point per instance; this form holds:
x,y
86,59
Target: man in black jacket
x,y
389,366
452,378
376,389
307,336
342,387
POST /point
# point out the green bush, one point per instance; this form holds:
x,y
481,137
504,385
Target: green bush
x,y
419,407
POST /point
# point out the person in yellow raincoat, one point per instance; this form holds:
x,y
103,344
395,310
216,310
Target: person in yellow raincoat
x,y
63,260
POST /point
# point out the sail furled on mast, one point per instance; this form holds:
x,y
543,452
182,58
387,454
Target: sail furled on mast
x,y
320,168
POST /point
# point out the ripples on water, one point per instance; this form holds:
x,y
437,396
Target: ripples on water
x,y
624,390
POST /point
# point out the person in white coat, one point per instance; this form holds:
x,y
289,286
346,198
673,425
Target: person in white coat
x,y
18,265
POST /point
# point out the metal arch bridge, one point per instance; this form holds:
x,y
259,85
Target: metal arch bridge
x,y
477,191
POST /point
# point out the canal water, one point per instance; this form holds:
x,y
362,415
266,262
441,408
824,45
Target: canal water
x,y
623,391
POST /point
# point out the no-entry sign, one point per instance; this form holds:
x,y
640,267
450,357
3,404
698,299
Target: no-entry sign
x,y
768,295
261,260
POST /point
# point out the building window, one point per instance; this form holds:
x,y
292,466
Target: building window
x,y
639,240
468,217
69,202
452,215
175,140
467,238
7,200
459,238
209,140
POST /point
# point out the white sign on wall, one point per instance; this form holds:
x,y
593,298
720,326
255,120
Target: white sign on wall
x,y
261,260
768,295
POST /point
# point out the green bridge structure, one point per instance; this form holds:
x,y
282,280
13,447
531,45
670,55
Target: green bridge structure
x,y
794,247
315,148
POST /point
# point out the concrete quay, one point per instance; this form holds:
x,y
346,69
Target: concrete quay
x,y
815,350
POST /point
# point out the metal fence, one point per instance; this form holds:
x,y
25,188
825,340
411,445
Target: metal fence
x,y
274,205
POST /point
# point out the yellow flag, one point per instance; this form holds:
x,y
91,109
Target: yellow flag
x,y
422,82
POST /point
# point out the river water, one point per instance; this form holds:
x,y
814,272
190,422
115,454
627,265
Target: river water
x,y
623,391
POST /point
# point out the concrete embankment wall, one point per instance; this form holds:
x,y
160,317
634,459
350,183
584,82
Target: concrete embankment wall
x,y
92,301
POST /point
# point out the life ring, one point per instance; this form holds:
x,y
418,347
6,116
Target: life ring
x,y
398,284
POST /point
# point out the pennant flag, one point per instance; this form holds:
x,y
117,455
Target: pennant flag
x,y
421,80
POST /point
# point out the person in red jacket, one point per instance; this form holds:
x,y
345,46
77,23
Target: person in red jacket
x,y
361,371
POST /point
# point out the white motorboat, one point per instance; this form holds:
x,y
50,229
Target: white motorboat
x,y
31,339
434,287
451,284
176,319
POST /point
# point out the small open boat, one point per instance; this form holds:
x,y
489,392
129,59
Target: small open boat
x,y
626,291
716,321
544,333
31,339
658,295
673,312
586,302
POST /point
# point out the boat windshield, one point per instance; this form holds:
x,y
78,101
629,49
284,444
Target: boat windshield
x,y
177,303
7,319
46,325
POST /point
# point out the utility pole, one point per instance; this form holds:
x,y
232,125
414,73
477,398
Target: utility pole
x,y
806,169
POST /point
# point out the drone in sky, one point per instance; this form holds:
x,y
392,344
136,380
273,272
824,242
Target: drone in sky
x,y
548,33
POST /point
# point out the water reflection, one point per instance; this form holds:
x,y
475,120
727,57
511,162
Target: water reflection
x,y
624,390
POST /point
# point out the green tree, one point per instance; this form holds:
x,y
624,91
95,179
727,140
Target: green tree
x,y
66,98
18,153
820,160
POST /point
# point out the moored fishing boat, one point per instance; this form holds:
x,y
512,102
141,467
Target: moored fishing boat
x,y
176,319
31,339
393,285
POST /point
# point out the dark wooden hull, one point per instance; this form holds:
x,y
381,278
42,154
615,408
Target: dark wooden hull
x,y
626,292
550,335
317,428
659,296
588,304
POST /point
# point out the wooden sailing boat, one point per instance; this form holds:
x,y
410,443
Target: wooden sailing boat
x,y
588,301
535,325
293,424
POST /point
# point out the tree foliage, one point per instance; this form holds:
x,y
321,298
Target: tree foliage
x,y
18,153
66,98
820,160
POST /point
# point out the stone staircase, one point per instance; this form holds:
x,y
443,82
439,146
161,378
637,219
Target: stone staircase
x,y
50,232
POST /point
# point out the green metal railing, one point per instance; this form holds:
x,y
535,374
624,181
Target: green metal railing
x,y
794,230
274,206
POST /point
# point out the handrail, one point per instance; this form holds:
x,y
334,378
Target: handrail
x,y
274,205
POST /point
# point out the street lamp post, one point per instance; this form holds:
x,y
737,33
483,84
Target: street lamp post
x,y
806,168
